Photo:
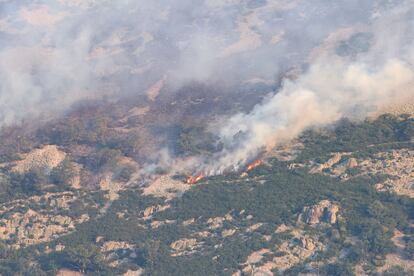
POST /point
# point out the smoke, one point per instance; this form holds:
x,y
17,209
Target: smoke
x,y
36,80
359,76
356,57
55,53
328,92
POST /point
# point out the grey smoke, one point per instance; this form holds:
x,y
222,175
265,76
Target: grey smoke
x,y
354,55
327,93
54,53
358,76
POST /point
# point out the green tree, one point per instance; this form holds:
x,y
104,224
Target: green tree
x,y
63,174
84,258
30,182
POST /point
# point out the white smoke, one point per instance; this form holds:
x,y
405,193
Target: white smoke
x,y
42,80
54,53
332,88
327,93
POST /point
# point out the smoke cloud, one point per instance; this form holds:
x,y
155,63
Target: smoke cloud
x,y
355,56
350,81
327,93
56,52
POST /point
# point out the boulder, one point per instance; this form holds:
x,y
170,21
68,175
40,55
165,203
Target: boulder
x,y
351,163
228,232
184,244
307,243
324,211
328,164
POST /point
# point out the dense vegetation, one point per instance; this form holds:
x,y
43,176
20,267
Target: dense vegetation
x,y
273,194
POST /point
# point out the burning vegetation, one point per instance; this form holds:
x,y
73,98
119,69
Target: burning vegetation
x,y
254,165
194,179
251,167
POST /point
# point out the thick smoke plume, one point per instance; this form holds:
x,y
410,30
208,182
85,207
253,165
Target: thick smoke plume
x,y
56,52
327,93
336,85
355,57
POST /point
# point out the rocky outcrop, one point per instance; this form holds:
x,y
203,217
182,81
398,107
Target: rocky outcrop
x,y
215,223
337,166
340,170
148,212
115,245
112,187
138,272
157,223
45,158
328,164
284,256
184,247
165,187
183,244
33,227
399,165
351,163
228,233
307,243
257,256
66,272
188,222
254,227
120,253
324,211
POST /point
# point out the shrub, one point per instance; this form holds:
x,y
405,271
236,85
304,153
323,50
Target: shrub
x,y
63,174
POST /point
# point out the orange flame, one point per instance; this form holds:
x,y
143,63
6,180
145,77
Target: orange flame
x,y
194,179
254,165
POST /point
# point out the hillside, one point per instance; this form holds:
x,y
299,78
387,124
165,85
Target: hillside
x,y
74,199
207,137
